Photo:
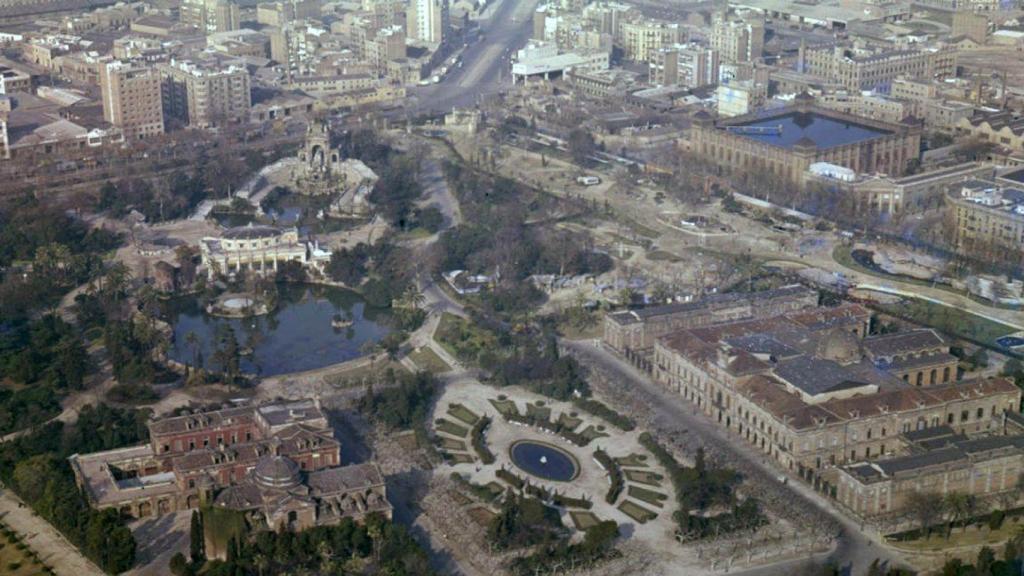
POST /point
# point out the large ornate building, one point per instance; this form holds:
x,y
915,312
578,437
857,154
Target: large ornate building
x,y
260,249
633,332
840,408
785,142
278,463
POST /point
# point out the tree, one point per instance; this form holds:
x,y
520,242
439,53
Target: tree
x,y
956,505
197,541
986,558
581,145
228,355
179,566
926,508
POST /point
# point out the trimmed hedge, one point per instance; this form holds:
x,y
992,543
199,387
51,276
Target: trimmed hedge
x,y
614,473
602,411
479,443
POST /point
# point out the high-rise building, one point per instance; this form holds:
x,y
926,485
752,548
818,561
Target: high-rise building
x,y
687,65
205,96
642,38
427,20
131,99
737,39
211,16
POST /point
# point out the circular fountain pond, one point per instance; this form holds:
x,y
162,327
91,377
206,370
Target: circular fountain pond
x,y
544,461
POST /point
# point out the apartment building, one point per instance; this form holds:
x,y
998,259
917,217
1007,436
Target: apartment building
x,y
427,20
283,12
686,65
14,80
384,45
737,39
642,39
875,69
973,25
205,96
868,105
211,16
132,99
988,215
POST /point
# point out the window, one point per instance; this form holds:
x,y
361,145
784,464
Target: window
x,y
949,418
981,413
964,416
869,433
853,454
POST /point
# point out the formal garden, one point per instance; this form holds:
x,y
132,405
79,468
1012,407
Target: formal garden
x,y
581,467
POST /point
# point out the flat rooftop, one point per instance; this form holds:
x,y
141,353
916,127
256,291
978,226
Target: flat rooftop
x,y
791,128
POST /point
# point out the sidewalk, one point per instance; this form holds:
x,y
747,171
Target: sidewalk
x,y
51,546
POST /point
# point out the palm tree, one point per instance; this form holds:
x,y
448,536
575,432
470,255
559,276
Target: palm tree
x,y
192,339
117,280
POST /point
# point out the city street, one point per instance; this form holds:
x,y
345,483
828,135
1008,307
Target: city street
x,y
485,64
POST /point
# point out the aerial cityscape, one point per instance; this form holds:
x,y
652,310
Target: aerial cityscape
x,y
512,287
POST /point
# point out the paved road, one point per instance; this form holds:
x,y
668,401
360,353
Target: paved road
x,y
855,550
485,64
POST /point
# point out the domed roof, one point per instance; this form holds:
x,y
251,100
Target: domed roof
x,y
250,232
277,472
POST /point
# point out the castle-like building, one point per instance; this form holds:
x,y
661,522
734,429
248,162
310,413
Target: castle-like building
x,y
278,463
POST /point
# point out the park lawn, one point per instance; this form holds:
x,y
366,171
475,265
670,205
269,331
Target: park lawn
x,y
462,338
460,498
637,512
592,327
15,561
643,477
429,361
539,412
937,541
449,427
457,458
505,407
417,233
584,520
360,375
591,433
481,515
651,497
460,412
951,320
633,461
568,421
656,255
452,444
